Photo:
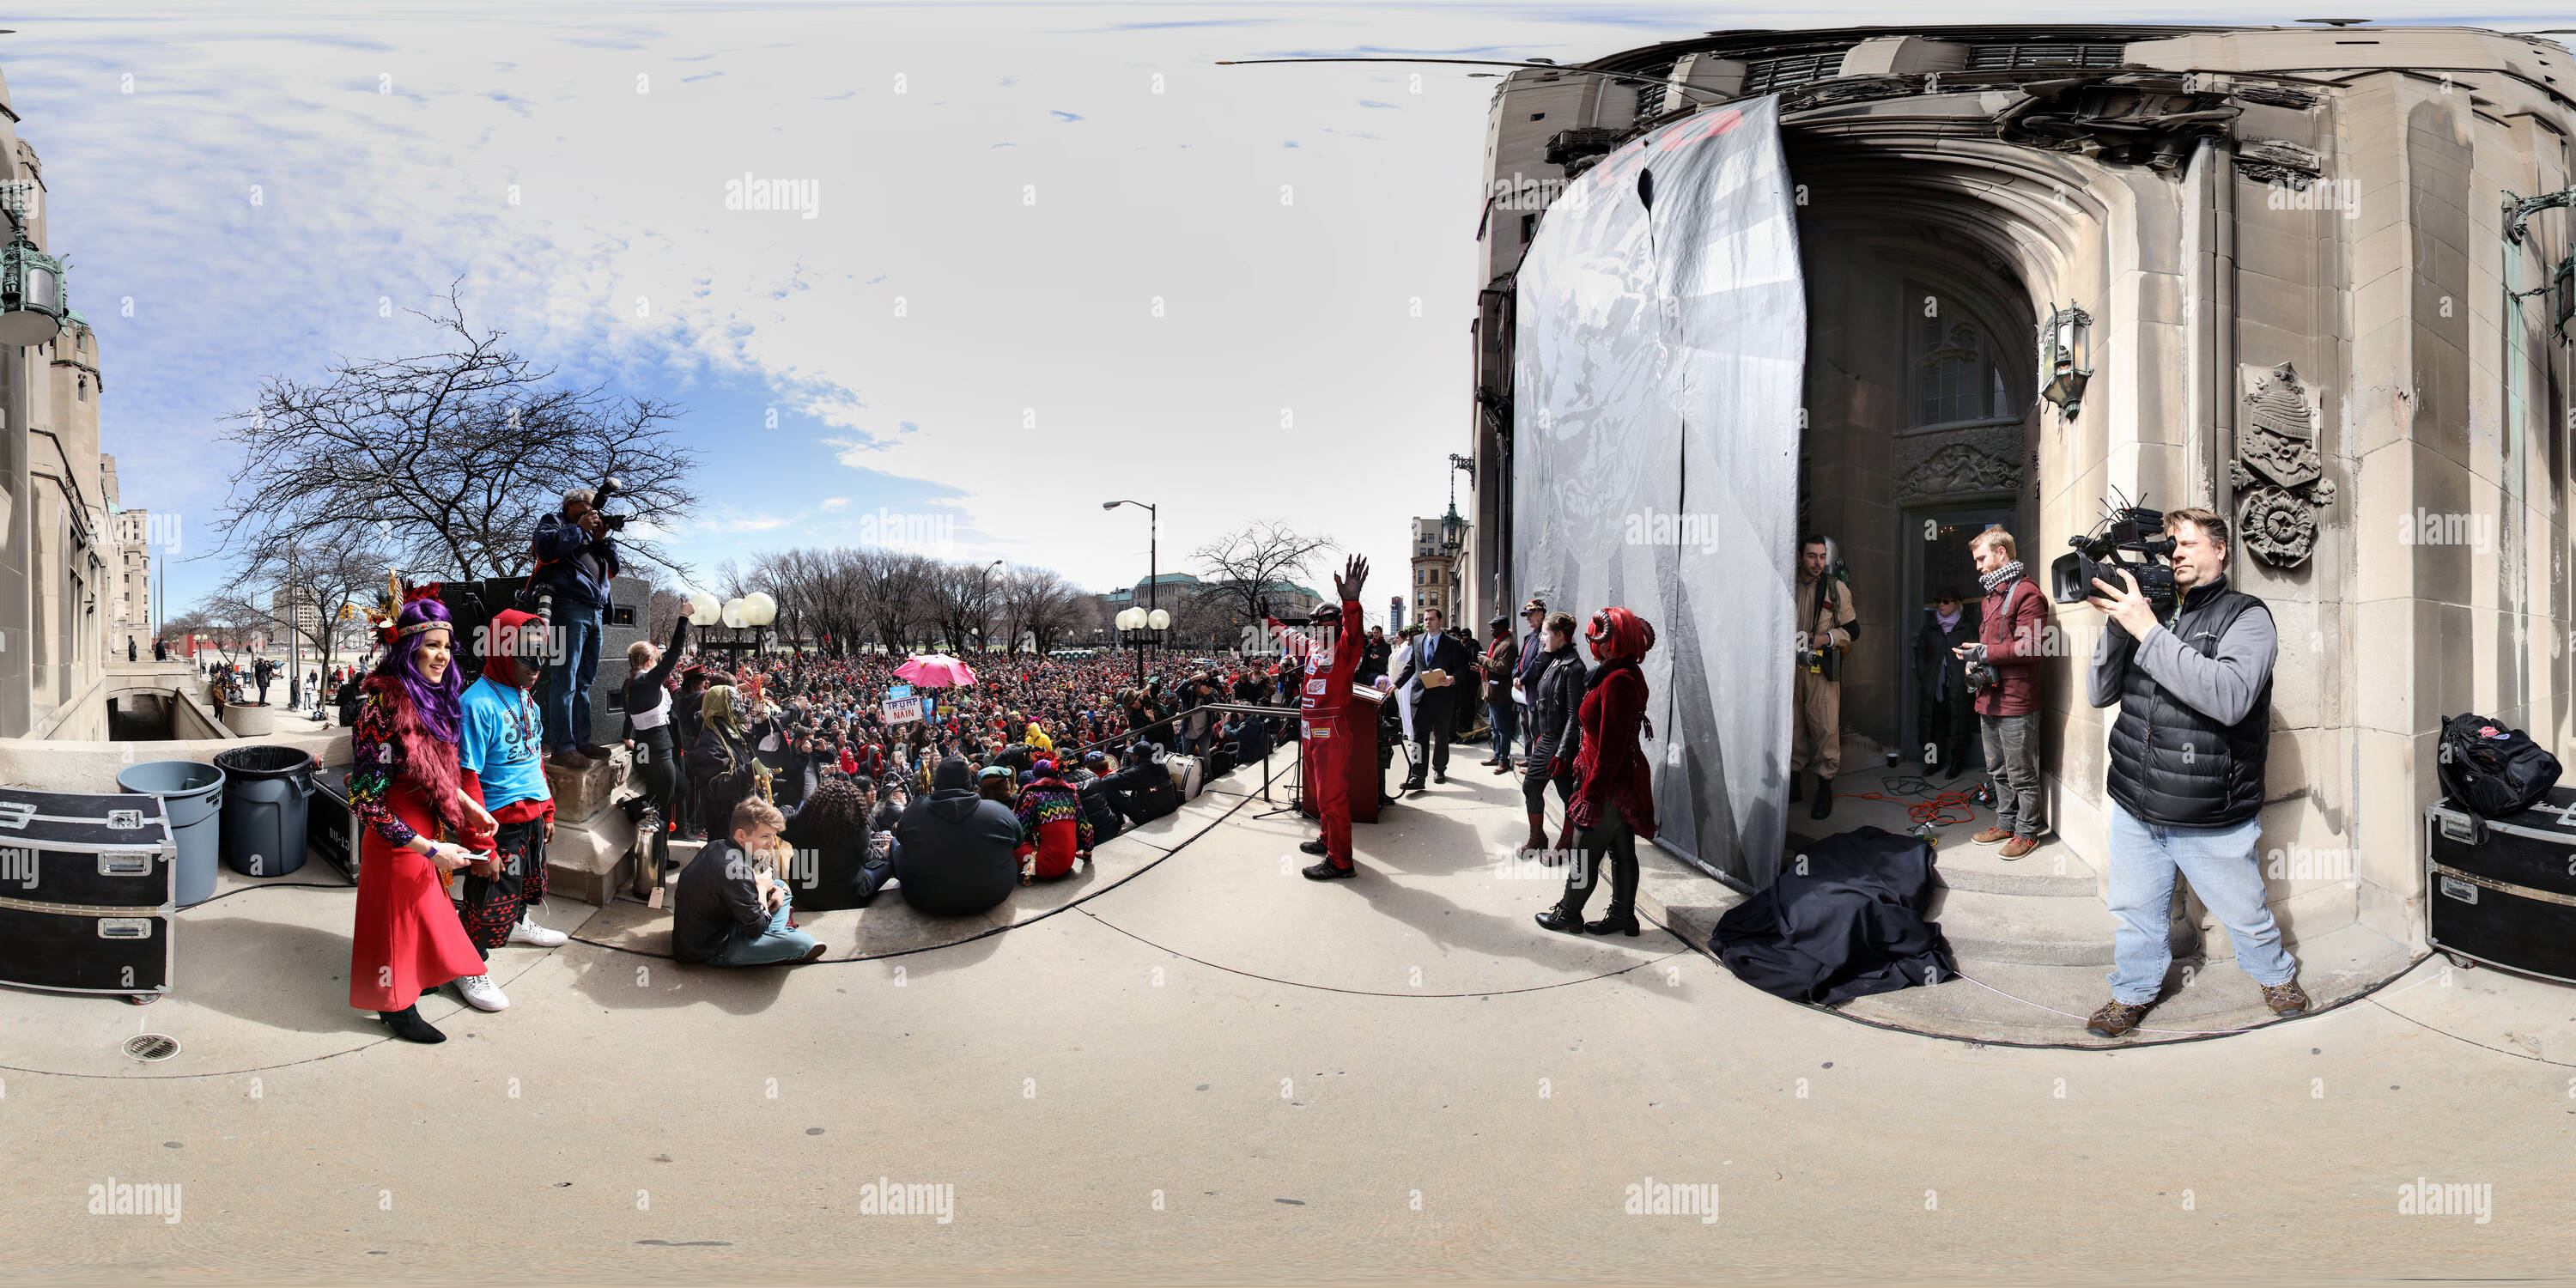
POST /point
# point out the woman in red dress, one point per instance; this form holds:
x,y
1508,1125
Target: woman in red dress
x,y
402,786
1614,795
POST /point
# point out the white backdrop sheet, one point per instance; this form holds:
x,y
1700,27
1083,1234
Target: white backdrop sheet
x,y
1662,339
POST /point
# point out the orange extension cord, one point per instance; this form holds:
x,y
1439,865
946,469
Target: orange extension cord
x,y
1931,809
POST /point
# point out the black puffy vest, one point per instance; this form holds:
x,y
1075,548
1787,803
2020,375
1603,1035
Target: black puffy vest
x,y
2169,763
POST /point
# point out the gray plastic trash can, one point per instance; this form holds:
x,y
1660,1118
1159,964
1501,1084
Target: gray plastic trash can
x,y
265,808
190,793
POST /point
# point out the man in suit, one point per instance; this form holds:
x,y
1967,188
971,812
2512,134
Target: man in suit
x,y
1533,653
1429,677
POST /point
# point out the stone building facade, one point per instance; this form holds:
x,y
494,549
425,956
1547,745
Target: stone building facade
x,y
133,615
2315,295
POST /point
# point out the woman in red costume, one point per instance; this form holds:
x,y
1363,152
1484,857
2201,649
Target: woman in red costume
x,y
403,785
1614,797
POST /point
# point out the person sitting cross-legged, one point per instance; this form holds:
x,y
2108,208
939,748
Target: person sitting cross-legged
x,y
1055,833
953,848
731,911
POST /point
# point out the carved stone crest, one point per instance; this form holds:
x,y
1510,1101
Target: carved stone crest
x,y
2278,472
1958,467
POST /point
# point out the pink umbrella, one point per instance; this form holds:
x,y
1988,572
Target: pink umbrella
x,y
936,671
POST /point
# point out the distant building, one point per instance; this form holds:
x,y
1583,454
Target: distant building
x,y
132,617
1435,572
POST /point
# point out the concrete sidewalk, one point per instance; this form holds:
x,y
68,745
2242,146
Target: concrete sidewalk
x,y
1216,1070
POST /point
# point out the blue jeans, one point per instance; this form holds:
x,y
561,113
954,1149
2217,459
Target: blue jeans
x,y
1506,716
2221,865
775,944
569,673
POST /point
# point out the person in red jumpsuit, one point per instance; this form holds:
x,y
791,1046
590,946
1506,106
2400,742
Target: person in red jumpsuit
x,y
1323,711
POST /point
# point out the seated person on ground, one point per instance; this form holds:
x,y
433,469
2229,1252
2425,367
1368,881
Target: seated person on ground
x,y
953,848
1055,834
731,910
836,865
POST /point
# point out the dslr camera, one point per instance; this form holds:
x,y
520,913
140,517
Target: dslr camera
x,y
1981,677
2130,539
599,501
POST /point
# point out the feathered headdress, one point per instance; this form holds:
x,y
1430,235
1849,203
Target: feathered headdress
x,y
389,606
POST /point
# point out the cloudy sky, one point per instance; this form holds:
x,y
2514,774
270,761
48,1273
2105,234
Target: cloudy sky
x,y
1054,256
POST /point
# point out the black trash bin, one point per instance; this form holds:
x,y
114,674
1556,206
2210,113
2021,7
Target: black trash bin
x,y
265,807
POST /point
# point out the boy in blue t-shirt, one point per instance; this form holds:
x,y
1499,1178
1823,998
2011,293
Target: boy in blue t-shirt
x,y
499,751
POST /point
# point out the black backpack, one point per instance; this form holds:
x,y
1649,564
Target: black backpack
x,y
2491,770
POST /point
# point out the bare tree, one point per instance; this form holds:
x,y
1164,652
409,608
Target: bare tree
x,y
964,597
1256,560
320,574
452,455
1038,601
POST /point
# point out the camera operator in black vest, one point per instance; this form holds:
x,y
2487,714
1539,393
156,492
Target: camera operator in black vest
x,y
2194,687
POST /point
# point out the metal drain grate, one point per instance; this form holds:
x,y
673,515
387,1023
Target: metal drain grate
x,y
151,1046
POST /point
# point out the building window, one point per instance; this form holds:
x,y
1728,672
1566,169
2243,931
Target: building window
x,y
1771,74
1957,374
1998,58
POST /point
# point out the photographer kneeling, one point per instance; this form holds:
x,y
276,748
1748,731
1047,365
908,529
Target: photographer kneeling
x,y
2186,769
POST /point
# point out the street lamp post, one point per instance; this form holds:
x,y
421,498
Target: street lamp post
x,y
1153,528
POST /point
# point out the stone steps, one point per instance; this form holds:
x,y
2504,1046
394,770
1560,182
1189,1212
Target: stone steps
x,y
2013,1002
2035,930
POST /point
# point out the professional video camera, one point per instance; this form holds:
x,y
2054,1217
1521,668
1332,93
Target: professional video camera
x,y
2131,539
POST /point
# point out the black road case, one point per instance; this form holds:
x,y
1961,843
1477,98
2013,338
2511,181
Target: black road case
x,y
87,888
331,830
2503,891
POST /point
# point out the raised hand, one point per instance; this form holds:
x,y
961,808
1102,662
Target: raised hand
x,y
1354,575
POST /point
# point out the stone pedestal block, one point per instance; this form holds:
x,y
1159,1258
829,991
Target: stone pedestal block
x,y
580,795
588,860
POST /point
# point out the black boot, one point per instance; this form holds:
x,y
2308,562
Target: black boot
x,y
1797,786
1824,798
1621,921
407,1025
1557,918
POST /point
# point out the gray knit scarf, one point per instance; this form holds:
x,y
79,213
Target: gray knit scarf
x,y
2000,577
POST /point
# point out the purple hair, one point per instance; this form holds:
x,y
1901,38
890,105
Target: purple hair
x,y
437,704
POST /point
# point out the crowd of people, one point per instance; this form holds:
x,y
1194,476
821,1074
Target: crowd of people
x,y
819,781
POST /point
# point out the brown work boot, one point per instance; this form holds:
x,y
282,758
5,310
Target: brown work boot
x,y
1991,835
2115,1019
2286,999
2019,846
571,758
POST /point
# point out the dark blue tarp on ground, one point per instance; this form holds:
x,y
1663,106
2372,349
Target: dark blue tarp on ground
x,y
1846,923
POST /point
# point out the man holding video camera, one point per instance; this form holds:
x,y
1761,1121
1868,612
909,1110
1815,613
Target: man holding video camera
x,y
2194,683
2003,673
575,559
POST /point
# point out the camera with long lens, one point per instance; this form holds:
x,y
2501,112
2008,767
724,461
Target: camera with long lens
x,y
2132,540
1981,677
599,502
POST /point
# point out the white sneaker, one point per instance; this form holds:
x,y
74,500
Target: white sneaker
x,y
529,932
481,993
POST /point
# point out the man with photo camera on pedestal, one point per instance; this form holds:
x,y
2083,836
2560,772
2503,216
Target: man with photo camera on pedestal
x,y
2189,661
576,557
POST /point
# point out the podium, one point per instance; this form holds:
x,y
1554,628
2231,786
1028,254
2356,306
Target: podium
x,y
1359,731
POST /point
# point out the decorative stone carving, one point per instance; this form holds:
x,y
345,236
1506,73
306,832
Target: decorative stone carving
x,y
2278,472
2273,161
2123,118
2276,96
1957,468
